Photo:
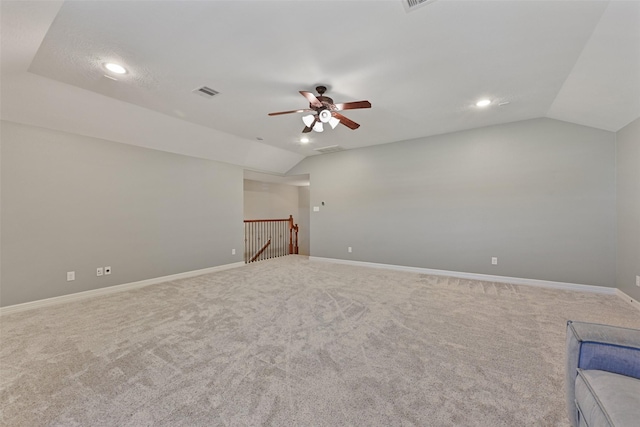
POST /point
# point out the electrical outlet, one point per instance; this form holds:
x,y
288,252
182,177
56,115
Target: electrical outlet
x,y
107,270
638,281
233,251
349,249
99,271
494,260
71,276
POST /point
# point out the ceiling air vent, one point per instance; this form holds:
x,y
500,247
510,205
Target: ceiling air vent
x,y
329,149
411,5
206,92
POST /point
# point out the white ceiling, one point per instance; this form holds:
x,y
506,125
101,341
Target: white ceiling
x,y
422,71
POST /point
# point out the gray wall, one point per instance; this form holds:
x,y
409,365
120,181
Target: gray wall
x,y
628,209
537,194
304,199
74,203
268,200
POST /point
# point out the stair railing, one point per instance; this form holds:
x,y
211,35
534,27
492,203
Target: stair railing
x,y
267,238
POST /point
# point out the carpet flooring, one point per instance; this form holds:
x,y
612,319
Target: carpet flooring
x,y
294,342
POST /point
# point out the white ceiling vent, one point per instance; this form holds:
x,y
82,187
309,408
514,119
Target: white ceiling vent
x,y
206,92
411,5
329,149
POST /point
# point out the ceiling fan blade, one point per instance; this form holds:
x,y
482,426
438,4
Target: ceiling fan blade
x,y
345,121
313,101
352,105
289,112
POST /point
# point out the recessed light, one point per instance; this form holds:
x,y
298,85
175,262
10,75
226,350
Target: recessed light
x,y
304,140
115,68
483,103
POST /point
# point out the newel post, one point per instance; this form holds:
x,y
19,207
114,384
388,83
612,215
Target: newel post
x,y
290,234
293,243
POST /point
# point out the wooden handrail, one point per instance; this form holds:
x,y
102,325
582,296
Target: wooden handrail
x,y
255,257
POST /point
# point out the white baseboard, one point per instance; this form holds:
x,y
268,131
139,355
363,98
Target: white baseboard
x,y
462,275
476,276
635,303
112,289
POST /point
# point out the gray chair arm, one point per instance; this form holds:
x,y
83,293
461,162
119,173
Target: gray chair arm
x,y
602,347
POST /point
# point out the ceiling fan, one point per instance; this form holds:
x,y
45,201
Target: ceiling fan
x,y
323,110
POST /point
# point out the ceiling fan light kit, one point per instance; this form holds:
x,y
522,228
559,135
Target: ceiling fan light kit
x,y
325,111
308,120
333,122
324,115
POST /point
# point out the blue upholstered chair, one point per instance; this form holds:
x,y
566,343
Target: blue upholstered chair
x,y
602,375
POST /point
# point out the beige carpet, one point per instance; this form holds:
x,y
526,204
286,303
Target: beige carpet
x,y
295,342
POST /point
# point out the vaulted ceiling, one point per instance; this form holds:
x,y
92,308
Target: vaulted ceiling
x,y
422,70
